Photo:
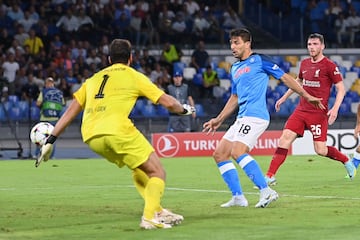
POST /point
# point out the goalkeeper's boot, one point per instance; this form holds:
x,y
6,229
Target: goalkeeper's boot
x,y
236,201
152,224
350,168
168,217
271,181
267,195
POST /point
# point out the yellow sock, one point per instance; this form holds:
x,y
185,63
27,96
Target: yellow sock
x,y
152,196
140,180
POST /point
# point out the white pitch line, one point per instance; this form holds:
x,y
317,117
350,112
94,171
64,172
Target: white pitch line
x,y
177,189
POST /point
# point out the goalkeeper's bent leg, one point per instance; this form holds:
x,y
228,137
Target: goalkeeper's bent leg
x,y
152,196
140,181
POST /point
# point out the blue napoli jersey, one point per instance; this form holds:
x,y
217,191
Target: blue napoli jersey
x,y
250,79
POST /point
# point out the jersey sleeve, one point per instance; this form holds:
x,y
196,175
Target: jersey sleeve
x,y
148,89
80,95
334,72
270,67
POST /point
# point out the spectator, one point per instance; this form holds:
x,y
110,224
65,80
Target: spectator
x,y
85,25
200,57
34,42
353,24
69,24
165,19
33,13
20,80
152,23
140,35
9,69
210,81
30,91
192,7
46,37
66,89
93,58
215,32
5,40
148,59
103,20
56,43
20,34
15,12
181,92
341,28
6,21
51,102
179,28
169,55
15,46
231,20
122,26
156,73
122,11
201,26
104,45
27,21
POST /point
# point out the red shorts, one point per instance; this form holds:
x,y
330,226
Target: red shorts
x,y
316,122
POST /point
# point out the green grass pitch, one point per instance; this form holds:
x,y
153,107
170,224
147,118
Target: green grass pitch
x,y
93,199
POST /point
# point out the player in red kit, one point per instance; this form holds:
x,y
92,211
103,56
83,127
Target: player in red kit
x,y
317,74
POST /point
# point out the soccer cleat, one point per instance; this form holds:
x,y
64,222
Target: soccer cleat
x,y
168,217
152,224
350,168
236,201
267,195
271,181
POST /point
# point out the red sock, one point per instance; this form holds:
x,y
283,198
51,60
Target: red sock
x,y
278,159
335,154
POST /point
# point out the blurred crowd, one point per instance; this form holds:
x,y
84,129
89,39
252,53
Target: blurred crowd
x,y
69,40
337,20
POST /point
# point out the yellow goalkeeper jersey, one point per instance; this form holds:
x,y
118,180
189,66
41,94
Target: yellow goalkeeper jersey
x,y
108,97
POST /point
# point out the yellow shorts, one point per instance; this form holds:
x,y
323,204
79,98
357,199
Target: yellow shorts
x,y
129,151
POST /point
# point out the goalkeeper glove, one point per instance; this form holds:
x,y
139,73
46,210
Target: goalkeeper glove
x,y
188,110
46,150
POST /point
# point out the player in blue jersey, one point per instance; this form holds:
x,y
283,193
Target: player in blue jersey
x,y
356,157
250,77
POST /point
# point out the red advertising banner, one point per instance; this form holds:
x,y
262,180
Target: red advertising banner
x,y
200,144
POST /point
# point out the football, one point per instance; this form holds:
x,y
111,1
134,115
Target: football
x,y
40,132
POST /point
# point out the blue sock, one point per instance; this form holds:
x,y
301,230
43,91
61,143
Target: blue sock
x,y
252,170
230,175
356,159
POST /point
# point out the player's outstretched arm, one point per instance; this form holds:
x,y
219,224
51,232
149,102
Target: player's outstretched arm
x,y
296,87
73,110
213,124
175,106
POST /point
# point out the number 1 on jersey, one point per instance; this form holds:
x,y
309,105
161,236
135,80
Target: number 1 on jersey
x,y
100,93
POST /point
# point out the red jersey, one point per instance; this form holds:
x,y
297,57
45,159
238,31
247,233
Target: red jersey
x,y
317,79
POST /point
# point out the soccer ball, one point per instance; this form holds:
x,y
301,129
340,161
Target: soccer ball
x,y
40,132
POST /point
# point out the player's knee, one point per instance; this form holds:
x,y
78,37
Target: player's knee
x,y
321,151
219,157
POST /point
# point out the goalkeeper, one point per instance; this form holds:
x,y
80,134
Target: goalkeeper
x,y
106,100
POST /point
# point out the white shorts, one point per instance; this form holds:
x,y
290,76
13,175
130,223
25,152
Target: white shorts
x,y
246,130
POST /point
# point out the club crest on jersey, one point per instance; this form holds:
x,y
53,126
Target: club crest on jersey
x,y
275,66
241,71
336,72
317,72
